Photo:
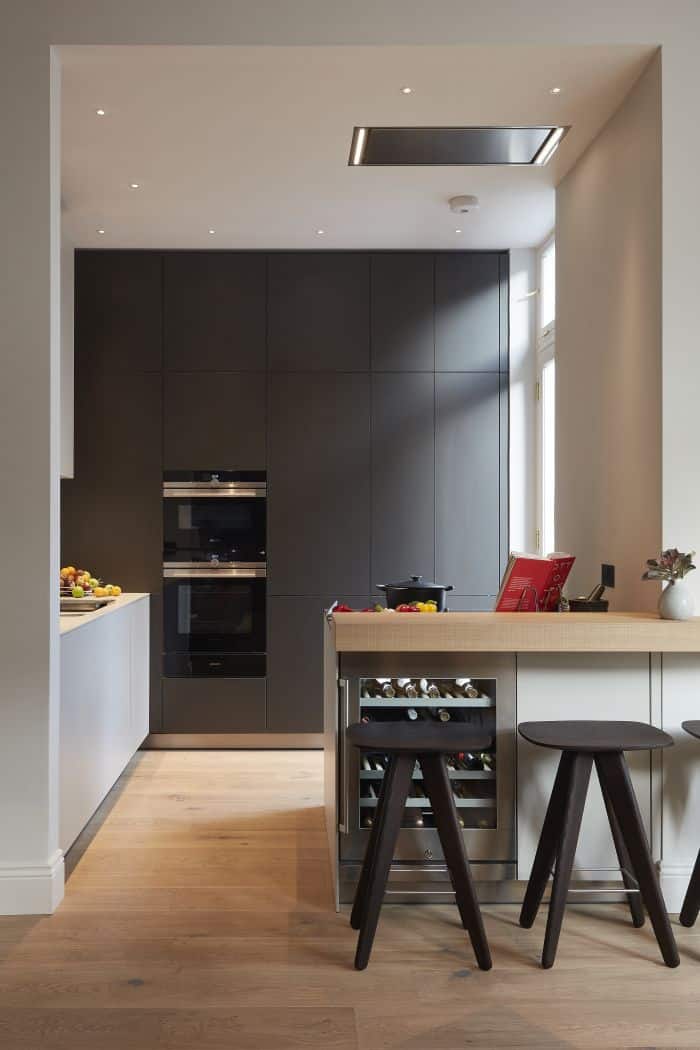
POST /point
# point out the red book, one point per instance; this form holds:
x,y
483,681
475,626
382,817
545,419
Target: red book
x,y
532,582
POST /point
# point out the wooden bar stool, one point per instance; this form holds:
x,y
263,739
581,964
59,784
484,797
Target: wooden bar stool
x,y
406,743
582,744
691,904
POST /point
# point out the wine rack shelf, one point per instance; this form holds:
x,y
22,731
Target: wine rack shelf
x,y
424,803
457,774
404,701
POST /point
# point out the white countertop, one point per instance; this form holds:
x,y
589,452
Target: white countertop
x,y
71,622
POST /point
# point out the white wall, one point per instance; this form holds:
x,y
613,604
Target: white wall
x,y
523,416
608,486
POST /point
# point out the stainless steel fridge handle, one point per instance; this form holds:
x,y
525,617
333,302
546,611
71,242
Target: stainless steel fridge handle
x,y
344,723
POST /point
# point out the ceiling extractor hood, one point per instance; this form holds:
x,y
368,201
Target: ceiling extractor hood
x,y
466,146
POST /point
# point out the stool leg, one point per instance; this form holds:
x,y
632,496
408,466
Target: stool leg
x,y
614,775
691,904
389,825
549,842
361,891
634,899
437,784
575,802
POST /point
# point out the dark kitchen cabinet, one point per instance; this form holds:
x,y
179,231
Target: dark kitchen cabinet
x,y
403,312
403,476
470,515
214,311
295,664
318,311
214,705
111,510
471,311
118,314
214,420
319,484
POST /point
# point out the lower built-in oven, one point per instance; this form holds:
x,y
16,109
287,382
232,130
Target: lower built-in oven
x,y
214,620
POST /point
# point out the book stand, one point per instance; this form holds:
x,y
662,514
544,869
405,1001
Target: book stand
x,y
538,607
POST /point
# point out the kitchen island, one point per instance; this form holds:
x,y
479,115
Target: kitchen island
x,y
526,666
104,704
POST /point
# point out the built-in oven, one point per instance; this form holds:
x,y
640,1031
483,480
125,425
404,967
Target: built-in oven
x,y
214,574
214,516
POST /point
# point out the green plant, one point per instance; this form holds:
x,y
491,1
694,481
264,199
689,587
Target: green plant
x,y
671,565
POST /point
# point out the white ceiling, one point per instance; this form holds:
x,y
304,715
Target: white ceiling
x,y
253,142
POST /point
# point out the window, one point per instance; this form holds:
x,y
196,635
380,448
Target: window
x,y
546,397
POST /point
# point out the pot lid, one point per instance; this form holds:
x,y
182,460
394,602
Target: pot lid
x,y
418,583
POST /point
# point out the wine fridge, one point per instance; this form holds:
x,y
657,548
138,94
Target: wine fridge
x,y
478,689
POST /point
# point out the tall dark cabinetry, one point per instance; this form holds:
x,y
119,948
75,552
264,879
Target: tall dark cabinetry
x,y
372,387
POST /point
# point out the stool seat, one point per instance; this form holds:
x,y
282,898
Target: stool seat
x,y
418,738
692,727
591,737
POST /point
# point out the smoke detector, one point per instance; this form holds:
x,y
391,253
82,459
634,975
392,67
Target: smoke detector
x,y
463,204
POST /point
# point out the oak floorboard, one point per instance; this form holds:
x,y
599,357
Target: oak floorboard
x,y
200,916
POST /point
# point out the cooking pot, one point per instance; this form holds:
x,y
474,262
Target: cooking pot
x,y
416,589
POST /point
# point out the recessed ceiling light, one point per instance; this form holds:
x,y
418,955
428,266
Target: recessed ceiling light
x,y
555,91
134,185
212,231
100,112
458,231
406,90
466,146
100,231
319,233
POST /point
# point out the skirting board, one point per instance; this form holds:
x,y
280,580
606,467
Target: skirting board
x,y
35,889
674,880
232,741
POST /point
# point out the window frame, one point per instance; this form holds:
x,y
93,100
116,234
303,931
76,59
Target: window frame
x,y
545,353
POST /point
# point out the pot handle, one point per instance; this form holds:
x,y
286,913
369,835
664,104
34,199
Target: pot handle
x,y
381,586
450,587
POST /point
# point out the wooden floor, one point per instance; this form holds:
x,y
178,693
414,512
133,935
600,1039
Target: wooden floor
x,y
200,917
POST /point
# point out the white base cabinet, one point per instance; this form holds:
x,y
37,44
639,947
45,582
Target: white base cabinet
x,y
104,707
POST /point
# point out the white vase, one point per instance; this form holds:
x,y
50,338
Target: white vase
x,y
676,601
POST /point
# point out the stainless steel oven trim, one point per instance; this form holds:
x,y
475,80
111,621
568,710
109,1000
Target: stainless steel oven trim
x,y
219,573
215,564
216,490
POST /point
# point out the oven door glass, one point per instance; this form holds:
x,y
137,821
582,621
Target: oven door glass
x,y
207,615
206,528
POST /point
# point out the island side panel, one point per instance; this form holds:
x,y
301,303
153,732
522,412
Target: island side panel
x,y
681,775
579,686
330,746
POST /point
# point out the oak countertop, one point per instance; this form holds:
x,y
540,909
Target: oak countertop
x,y
612,632
71,621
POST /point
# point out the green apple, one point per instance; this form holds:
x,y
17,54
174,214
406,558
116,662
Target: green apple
x,y
93,582
78,592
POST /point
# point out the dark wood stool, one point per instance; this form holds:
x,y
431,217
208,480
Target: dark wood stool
x,y
691,904
406,743
582,744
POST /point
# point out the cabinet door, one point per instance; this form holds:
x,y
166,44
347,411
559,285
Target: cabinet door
x,y
214,311
468,509
118,316
471,311
213,705
111,511
403,312
403,476
319,482
295,664
318,311
214,420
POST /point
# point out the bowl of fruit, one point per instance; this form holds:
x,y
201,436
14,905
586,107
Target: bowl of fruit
x,y
80,583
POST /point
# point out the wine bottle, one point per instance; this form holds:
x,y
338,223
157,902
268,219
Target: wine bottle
x,y
412,714
429,689
470,690
387,689
446,691
409,688
366,764
443,714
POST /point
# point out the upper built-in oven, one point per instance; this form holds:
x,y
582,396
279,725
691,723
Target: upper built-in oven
x,y
215,517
